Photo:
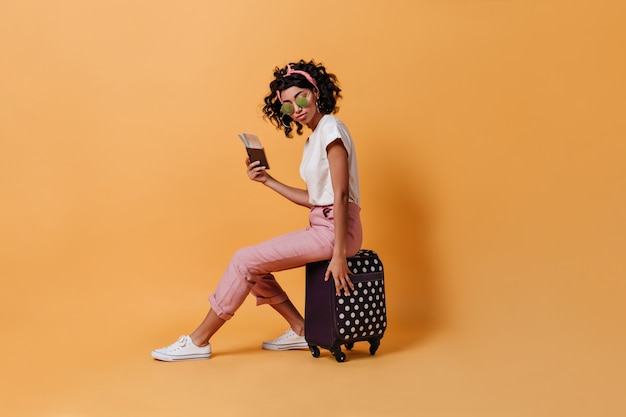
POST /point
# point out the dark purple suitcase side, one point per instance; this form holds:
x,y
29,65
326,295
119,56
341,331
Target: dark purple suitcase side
x,y
332,321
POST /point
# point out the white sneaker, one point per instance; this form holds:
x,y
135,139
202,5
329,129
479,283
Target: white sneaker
x,y
286,341
181,350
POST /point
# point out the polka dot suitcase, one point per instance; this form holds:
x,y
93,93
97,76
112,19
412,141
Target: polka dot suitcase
x,y
332,321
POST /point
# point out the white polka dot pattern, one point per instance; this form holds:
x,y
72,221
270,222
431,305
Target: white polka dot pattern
x,y
365,261
363,313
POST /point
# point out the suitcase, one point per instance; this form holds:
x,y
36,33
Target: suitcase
x,y
331,321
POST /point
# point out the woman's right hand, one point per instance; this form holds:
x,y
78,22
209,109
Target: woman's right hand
x,y
256,172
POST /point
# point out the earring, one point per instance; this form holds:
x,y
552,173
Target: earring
x,y
282,120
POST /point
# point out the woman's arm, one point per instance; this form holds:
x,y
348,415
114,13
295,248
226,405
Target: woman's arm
x,y
340,177
295,195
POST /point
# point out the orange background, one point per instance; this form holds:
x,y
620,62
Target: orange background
x,y
491,148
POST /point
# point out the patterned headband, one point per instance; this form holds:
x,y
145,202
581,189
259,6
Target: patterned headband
x,y
305,74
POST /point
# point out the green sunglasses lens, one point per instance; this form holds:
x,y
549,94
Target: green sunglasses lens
x,y
302,102
287,108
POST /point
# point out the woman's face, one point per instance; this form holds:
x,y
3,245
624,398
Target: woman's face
x,y
302,103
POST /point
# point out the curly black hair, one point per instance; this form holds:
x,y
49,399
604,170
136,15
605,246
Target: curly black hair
x,y
327,85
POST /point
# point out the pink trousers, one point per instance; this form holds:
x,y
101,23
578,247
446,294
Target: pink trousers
x,y
250,269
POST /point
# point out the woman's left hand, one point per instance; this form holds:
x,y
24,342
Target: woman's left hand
x,y
339,271
256,172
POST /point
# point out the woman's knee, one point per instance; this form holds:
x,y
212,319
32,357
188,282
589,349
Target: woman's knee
x,y
245,262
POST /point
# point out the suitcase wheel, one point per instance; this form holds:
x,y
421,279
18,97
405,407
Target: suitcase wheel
x,y
374,346
349,346
338,354
315,351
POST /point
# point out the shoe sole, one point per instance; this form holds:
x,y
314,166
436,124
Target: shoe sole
x,y
294,346
168,358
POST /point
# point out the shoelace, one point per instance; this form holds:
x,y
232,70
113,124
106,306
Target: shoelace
x,y
180,343
286,335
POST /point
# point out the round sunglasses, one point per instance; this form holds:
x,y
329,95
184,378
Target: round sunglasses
x,y
288,108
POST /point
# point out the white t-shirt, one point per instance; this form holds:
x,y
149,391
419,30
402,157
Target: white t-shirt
x,y
314,168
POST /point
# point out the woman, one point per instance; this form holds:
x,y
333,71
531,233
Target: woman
x,y
301,94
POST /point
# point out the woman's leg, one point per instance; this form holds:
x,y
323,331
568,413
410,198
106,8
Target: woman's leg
x,y
211,324
292,315
250,271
